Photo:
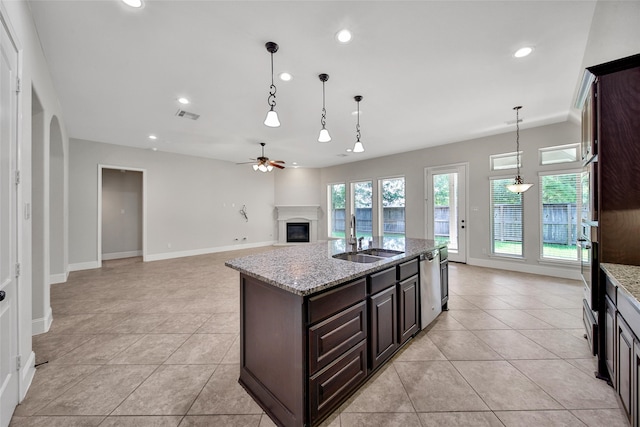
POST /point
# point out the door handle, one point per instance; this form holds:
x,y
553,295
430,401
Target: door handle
x,y
2,295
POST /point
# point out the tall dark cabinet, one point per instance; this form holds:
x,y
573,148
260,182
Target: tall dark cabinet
x,y
611,151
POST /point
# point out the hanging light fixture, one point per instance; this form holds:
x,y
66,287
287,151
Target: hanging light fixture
x,y
358,148
272,117
518,185
324,133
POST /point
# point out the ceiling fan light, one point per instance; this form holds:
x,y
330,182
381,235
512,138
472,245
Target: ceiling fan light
x,y
255,167
262,168
269,168
358,148
324,136
272,119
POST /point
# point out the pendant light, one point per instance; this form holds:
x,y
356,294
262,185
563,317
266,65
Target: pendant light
x,y
324,133
358,148
518,185
272,117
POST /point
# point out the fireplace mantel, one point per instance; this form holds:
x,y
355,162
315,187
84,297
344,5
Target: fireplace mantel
x,y
297,213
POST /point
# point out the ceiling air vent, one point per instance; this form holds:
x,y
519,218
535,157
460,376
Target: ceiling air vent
x,y
187,115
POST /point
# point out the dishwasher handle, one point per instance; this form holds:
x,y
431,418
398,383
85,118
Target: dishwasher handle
x,y
429,255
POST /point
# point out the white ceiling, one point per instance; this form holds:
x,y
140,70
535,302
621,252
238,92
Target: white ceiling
x,y
430,72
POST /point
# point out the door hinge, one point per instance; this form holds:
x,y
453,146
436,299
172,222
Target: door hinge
x,y
17,177
17,269
18,85
18,362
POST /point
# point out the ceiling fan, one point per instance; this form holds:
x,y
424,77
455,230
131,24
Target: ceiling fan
x,y
263,163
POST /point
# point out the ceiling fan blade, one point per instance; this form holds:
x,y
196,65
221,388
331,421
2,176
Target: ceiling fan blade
x,y
275,165
278,161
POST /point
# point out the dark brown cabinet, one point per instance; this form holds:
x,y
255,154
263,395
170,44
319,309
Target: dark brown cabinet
x,y
383,313
303,356
408,308
625,365
610,336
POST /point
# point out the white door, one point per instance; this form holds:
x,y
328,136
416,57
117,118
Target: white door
x,y
8,229
446,208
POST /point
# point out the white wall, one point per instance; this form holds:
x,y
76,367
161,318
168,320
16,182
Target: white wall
x,y
476,152
297,187
121,213
34,73
192,204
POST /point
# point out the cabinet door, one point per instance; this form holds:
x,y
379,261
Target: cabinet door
x,y
444,283
625,365
636,378
610,339
408,308
383,315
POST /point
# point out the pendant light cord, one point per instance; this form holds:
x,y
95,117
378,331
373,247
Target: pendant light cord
x,y
358,124
271,99
517,140
323,118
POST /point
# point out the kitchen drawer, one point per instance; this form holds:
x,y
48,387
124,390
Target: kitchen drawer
x,y
331,302
590,326
611,289
382,280
628,311
407,269
329,386
335,335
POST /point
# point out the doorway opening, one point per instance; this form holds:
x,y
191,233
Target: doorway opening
x,y
121,213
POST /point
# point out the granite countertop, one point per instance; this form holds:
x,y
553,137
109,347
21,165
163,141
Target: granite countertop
x,y
626,277
310,268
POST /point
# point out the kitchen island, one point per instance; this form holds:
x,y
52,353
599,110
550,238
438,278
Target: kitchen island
x,y
313,328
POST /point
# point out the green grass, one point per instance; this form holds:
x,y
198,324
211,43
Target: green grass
x,y
565,252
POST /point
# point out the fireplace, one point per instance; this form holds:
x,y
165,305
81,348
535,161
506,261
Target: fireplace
x,y
297,225
297,232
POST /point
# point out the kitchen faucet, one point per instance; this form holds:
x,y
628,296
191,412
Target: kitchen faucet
x,y
352,239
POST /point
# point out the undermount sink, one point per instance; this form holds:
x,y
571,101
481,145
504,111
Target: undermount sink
x,y
357,257
384,253
368,255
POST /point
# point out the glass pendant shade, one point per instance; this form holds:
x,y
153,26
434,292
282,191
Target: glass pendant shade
x,y
262,168
519,186
272,119
269,168
324,136
255,167
358,148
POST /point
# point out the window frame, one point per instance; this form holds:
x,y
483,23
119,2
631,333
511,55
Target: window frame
x,y
541,174
352,206
380,225
330,208
492,251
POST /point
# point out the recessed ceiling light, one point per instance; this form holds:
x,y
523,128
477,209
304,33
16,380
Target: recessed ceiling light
x,y
295,163
523,51
349,150
183,101
133,3
285,77
153,137
154,149
343,36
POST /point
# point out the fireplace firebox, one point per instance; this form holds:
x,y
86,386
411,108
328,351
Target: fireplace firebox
x,y
297,232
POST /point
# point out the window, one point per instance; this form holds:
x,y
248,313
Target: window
x,y
559,154
506,222
363,208
393,204
561,197
337,194
505,161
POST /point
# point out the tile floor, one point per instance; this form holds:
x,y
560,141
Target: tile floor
x,y
156,344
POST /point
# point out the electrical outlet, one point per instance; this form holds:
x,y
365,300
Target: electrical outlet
x,y
169,245
484,251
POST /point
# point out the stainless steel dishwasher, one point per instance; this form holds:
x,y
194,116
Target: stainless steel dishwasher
x,y
430,293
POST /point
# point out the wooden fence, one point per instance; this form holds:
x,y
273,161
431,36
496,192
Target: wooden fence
x,y
394,220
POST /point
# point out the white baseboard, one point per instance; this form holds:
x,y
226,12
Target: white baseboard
x,y
42,325
89,265
119,255
27,372
204,251
58,278
565,272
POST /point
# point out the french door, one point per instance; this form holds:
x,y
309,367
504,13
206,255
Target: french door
x,y
446,208
8,227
